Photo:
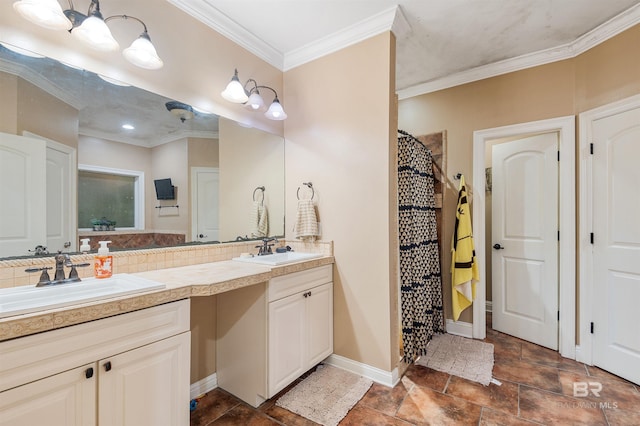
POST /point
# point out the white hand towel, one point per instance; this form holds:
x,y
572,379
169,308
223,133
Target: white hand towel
x,y
306,221
258,222
263,221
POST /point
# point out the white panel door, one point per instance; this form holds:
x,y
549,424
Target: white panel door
x,y
525,230
616,249
65,399
320,323
22,191
287,327
61,194
205,195
146,386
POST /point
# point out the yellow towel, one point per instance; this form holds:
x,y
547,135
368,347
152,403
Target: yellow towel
x,y
464,267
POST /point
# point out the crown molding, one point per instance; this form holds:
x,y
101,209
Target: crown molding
x,y
182,134
353,34
212,17
41,82
607,30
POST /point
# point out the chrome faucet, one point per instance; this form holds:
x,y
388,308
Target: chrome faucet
x,y
62,260
265,247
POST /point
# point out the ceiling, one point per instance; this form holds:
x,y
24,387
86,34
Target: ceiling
x,y
440,43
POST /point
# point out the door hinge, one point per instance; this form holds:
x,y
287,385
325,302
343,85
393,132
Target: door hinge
x,y
558,155
558,235
558,315
591,328
591,148
591,238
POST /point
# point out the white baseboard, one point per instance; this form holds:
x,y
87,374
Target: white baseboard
x,y
387,378
460,328
489,306
204,385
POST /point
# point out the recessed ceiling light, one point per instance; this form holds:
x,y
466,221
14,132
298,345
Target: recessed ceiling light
x,y
128,126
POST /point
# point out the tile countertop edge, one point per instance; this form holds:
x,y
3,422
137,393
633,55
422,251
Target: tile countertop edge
x,y
196,280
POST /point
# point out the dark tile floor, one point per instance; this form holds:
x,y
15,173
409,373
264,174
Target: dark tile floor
x,y
537,388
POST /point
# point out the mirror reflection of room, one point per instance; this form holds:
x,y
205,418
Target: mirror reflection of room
x,y
96,147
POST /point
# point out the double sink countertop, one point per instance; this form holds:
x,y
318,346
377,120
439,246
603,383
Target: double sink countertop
x,y
204,279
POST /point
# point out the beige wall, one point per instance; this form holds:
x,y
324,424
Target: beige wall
x,y
341,110
249,158
606,73
203,337
170,160
9,104
45,115
203,152
26,107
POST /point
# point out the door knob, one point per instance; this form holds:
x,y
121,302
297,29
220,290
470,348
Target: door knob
x,y
202,236
498,246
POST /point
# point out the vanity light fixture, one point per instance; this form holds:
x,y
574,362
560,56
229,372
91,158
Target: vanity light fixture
x,y
237,93
91,29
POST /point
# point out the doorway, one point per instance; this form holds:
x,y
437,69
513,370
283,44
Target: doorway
x,y
204,204
522,245
564,126
610,238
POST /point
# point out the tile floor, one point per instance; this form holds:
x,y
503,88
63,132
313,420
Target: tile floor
x,y
537,388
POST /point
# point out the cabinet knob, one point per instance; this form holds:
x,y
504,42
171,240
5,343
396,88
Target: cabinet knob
x,y
88,373
107,366
307,294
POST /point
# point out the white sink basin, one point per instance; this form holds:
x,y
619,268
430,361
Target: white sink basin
x,y
27,299
279,258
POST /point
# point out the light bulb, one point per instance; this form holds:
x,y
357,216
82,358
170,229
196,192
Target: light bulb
x,y
143,54
94,33
46,13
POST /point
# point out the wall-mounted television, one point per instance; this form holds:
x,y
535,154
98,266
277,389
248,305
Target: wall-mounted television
x,y
164,189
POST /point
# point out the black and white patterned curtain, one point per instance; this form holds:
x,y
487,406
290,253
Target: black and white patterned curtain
x,y
421,288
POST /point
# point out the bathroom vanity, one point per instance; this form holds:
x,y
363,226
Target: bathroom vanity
x,y
125,361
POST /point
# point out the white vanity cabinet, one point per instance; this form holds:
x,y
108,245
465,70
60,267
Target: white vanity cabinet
x,y
300,331
269,334
131,369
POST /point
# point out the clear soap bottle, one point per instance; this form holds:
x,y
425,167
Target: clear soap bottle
x,y
103,261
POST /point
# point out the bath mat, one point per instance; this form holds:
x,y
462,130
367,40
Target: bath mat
x,y
326,396
467,358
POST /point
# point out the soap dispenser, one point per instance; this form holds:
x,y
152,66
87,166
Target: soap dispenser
x,y
103,261
84,246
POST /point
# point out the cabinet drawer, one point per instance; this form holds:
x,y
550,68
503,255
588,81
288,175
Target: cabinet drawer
x,y
287,285
33,357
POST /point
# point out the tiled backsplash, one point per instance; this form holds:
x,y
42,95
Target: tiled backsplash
x,y
12,272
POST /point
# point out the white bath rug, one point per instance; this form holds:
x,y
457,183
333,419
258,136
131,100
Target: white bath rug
x,y
326,396
467,358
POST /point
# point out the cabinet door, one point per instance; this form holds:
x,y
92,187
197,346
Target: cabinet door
x,y
146,386
319,318
286,341
65,399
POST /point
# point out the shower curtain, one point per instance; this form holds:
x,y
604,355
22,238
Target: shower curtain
x,y
421,288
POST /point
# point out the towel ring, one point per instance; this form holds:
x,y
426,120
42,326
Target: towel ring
x,y
261,188
310,185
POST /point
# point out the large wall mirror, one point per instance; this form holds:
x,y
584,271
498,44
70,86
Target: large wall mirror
x,y
71,169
